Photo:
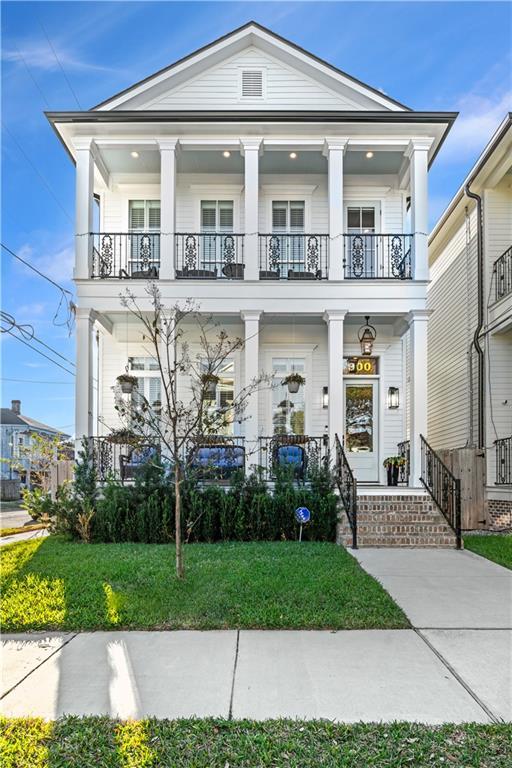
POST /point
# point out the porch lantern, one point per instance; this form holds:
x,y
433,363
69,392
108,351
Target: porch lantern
x,y
393,397
325,397
367,335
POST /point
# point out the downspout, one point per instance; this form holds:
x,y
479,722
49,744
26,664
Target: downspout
x,y
480,303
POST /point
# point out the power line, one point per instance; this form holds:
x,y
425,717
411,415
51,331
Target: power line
x,y
29,161
32,77
33,381
60,65
31,266
34,349
28,333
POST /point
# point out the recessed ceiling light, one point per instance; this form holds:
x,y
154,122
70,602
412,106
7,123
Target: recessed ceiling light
x,y
293,155
369,155
134,154
226,153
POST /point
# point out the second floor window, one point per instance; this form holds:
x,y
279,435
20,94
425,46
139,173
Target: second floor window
x,y
144,215
144,242
216,215
288,216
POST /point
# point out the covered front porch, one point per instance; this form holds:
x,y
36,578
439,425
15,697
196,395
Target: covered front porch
x,y
375,402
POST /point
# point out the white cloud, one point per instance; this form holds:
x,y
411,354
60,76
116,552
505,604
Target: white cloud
x,y
57,265
40,56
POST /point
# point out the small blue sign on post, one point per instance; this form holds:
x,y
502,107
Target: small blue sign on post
x,y
302,516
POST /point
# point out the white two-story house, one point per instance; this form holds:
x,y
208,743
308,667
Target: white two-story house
x,y
288,199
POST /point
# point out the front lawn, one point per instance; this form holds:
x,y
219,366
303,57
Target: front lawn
x,y
98,741
57,584
497,548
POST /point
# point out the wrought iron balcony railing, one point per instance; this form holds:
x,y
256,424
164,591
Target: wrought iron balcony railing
x,y
372,256
293,256
504,461
121,255
502,271
209,256
295,455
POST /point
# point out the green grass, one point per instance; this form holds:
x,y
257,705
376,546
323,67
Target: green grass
x,y
52,583
98,742
497,548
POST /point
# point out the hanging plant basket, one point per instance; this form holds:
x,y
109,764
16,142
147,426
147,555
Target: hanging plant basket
x,y
294,381
123,437
127,383
209,381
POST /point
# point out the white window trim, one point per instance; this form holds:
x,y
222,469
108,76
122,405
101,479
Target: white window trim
x,y
253,99
294,197
212,194
357,203
289,350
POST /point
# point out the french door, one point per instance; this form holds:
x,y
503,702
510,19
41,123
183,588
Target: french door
x,y
361,251
144,225
362,428
288,235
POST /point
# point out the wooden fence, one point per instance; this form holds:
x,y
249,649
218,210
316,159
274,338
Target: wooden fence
x,y
61,471
468,465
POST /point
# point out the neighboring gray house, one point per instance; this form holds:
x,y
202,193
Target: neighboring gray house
x,y
16,432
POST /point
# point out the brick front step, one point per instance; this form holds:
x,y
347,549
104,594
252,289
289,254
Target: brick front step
x,y
397,521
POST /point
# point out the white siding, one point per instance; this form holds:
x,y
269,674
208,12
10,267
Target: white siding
x,y
284,88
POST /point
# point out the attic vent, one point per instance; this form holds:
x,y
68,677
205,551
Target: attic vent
x,y
252,83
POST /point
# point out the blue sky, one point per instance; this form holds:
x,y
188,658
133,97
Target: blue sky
x,y
431,56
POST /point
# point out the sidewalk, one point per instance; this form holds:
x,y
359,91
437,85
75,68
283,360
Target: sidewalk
x,y
431,675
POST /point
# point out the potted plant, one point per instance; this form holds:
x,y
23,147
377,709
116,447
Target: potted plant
x,y
293,382
210,381
392,465
123,436
127,383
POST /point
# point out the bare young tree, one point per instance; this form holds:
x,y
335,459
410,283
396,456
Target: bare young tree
x,y
185,416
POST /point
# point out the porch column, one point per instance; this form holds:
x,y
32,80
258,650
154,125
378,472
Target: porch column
x,y
167,207
250,149
334,149
334,319
84,208
251,320
417,151
84,390
418,322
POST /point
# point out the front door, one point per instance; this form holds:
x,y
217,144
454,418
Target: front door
x,y
362,428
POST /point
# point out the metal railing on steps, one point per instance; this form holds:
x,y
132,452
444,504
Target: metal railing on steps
x,y
443,487
347,487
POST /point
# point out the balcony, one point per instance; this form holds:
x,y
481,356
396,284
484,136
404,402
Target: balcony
x,y
377,257
293,256
209,256
502,272
125,255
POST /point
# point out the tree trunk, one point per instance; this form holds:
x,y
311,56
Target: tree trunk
x,y
180,570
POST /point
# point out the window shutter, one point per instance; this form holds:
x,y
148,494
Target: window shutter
x,y
226,216
136,214
297,216
252,84
154,214
154,393
279,217
208,215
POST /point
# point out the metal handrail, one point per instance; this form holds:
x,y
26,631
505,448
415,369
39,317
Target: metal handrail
x,y
503,461
443,487
373,255
347,486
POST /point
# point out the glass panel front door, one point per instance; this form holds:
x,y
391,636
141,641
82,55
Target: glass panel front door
x,y
361,429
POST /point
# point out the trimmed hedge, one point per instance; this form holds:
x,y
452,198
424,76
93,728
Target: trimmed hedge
x,y
246,510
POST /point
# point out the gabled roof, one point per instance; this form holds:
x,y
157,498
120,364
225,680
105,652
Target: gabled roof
x,y
249,33
11,419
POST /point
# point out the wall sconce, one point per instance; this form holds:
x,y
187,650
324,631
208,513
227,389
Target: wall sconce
x,y
367,335
393,397
325,397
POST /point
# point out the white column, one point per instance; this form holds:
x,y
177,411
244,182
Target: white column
x,y
250,149
418,324
417,151
167,207
334,320
84,208
84,392
251,320
334,149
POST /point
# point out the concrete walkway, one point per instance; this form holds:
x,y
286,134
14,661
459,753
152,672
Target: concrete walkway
x,y
441,671
23,536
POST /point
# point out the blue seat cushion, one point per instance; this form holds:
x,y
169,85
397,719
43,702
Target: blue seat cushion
x,y
219,457
290,454
141,456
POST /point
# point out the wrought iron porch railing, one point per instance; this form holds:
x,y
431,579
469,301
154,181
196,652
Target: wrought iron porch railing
x,y
209,256
293,256
122,255
404,451
502,271
215,457
504,461
373,256
298,455
120,460
347,487
443,487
